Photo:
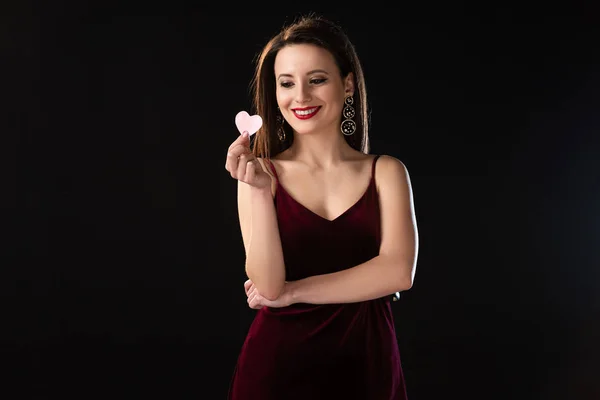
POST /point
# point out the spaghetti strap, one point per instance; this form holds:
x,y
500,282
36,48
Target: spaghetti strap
x,y
272,168
373,166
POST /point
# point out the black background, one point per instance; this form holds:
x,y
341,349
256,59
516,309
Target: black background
x,y
124,264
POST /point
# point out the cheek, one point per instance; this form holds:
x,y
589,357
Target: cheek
x,y
283,98
339,96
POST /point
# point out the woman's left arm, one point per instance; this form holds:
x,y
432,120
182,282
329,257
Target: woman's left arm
x,y
393,270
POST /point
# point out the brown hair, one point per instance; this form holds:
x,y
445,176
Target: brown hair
x,y
306,30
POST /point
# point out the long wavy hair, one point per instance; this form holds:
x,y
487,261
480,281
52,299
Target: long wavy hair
x,y
306,30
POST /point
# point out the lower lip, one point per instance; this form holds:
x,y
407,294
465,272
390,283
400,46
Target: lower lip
x,y
307,116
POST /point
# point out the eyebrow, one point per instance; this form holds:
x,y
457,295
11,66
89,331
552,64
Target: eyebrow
x,y
314,71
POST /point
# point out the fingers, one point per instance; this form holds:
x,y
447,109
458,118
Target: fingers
x,y
242,166
254,298
241,144
247,285
239,156
253,292
233,156
246,168
243,139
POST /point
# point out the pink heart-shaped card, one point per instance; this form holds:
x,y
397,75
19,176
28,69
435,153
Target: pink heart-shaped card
x,y
247,123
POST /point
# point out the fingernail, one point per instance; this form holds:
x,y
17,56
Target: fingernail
x,y
245,134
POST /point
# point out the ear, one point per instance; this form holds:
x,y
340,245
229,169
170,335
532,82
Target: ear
x,y
349,84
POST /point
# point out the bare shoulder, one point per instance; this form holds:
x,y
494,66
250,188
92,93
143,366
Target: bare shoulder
x,y
393,180
391,171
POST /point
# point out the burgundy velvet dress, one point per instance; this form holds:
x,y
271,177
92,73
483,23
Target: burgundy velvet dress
x,y
331,351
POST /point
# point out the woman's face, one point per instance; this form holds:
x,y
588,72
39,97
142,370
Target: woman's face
x,y
310,90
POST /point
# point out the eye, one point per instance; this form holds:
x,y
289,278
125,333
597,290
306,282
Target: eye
x,y
318,81
286,84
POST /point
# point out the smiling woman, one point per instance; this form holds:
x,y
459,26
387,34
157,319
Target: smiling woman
x,y
329,230
306,93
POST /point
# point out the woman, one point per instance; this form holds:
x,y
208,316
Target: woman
x,y
329,230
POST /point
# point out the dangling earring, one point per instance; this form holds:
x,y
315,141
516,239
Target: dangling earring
x,y
280,130
348,126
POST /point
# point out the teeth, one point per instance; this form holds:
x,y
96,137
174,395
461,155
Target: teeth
x,y
306,112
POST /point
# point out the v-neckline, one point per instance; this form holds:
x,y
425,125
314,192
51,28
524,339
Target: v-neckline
x,y
347,211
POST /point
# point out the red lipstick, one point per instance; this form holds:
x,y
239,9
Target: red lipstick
x,y
306,112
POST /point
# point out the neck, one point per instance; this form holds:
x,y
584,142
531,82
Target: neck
x,y
320,150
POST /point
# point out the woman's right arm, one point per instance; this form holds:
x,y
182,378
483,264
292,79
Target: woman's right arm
x,y
258,219
260,233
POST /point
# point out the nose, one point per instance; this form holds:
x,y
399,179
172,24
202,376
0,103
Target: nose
x,y
303,94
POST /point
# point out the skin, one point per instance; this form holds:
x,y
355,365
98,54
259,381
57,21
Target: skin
x,y
327,176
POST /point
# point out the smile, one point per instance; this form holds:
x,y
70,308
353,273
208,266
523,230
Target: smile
x,y
306,113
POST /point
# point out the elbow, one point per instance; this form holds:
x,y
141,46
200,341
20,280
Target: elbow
x,y
405,280
405,284
401,274
270,289
272,295
402,283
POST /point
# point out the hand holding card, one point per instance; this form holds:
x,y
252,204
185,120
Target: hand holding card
x,y
247,123
241,162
